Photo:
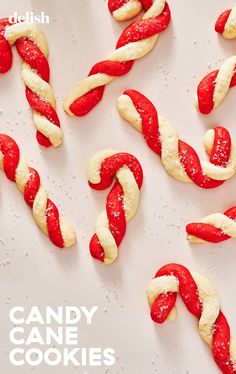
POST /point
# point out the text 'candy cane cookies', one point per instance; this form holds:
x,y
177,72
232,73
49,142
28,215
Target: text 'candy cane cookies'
x,y
214,228
122,201
27,179
135,42
178,158
226,24
32,46
201,300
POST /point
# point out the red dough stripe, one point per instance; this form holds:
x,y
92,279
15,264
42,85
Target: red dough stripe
x,y
146,3
11,154
113,68
220,346
189,292
11,158
116,4
53,224
220,154
138,30
5,55
115,198
115,213
5,49
205,92
221,21
32,55
209,232
32,187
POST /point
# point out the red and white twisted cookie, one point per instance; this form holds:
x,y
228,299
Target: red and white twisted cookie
x,y
27,179
135,42
214,86
32,46
179,159
122,201
214,228
201,300
226,24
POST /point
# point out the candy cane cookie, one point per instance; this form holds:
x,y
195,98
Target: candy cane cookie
x,y
178,158
122,201
27,179
201,300
226,24
135,42
32,46
213,88
214,228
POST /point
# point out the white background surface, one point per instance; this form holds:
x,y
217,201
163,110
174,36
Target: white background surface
x,y
34,272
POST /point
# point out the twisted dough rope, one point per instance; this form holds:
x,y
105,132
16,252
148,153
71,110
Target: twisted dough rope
x,y
122,201
201,300
214,86
32,46
27,179
178,158
226,24
135,42
214,228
